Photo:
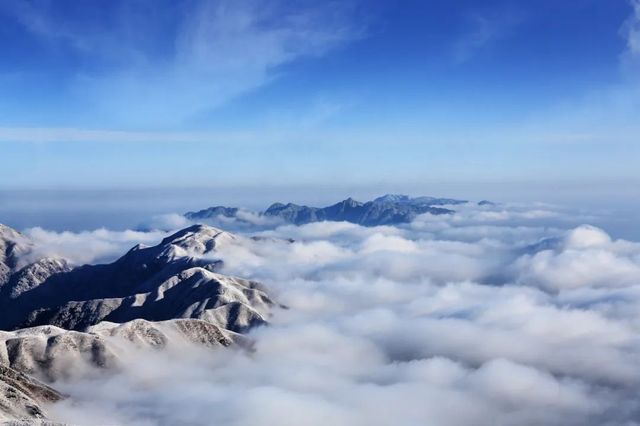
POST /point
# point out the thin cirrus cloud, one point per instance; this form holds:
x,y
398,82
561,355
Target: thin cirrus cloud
x,y
278,126
70,134
483,30
166,64
631,30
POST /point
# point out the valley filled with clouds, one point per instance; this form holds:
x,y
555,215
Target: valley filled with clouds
x,y
497,314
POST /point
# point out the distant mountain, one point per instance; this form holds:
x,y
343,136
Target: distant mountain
x,y
390,209
417,201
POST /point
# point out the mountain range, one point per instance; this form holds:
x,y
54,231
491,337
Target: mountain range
x,y
157,296
390,209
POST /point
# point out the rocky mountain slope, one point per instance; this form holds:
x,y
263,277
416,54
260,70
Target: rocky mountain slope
x,y
22,397
52,353
386,210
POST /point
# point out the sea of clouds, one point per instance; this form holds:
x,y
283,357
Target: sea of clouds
x,y
497,315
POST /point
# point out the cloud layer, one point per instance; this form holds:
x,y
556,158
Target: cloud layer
x,y
496,315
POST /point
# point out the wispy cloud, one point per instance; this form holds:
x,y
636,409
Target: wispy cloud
x,y
632,29
631,33
483,30
169,63
71,134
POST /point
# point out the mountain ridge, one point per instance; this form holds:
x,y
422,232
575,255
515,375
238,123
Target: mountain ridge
x,y
389,209
166,281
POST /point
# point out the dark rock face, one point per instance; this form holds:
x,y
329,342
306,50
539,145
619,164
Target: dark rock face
x,y
386,210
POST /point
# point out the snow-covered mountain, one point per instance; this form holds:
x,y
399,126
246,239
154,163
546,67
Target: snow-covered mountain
x,y
51,353
389,209
158,296
163,282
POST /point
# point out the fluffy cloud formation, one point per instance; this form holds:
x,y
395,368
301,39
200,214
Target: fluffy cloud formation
x,y
496,315
584,257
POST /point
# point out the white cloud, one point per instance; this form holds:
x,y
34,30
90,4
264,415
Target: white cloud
x,y
585,257
586,236
466,319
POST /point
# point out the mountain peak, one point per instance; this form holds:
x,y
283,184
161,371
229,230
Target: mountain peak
x,y
199,239
276,206
351,202
192,231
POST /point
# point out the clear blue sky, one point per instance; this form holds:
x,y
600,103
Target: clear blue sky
x,y
111,93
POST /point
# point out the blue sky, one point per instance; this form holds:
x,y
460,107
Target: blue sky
x,y
403,93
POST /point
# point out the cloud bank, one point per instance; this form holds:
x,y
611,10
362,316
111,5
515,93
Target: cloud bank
x,y
496,315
